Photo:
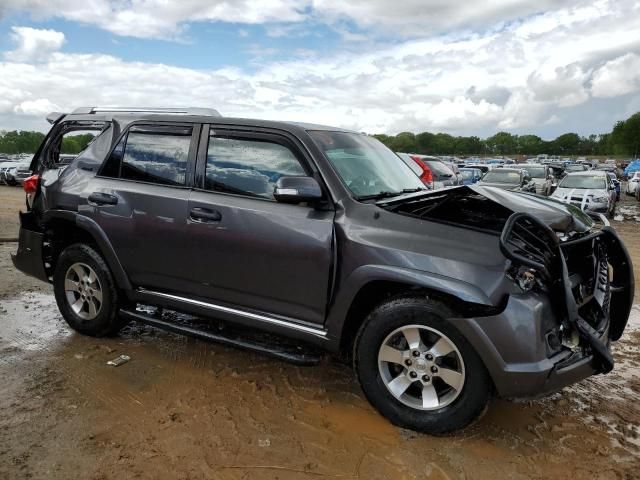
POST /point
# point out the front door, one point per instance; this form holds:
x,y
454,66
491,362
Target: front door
x,y
246,249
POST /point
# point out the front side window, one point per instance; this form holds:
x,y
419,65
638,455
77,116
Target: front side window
x,y
248,166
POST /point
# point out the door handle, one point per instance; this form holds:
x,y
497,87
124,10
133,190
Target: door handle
x,y
205,215
100,198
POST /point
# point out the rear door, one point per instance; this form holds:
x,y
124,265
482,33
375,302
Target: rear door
x,y
140,200
246,249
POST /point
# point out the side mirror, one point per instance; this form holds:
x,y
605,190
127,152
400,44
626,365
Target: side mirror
x,y
297,190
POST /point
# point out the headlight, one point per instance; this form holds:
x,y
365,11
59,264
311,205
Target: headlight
x,y
600,199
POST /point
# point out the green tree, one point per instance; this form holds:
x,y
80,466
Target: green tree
x,y
502,143
625,137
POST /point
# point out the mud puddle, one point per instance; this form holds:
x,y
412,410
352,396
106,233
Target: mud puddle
x,y
202,410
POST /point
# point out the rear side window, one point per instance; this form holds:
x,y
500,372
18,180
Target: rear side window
x,y
248,166
151,155
439,168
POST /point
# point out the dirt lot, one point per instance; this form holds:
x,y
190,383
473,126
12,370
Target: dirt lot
x,y
186,409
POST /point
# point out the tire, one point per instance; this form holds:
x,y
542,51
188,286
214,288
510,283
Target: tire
x,y
80,270
451,409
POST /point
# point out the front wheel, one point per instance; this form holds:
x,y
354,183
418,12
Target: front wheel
x,y
86,292
417,370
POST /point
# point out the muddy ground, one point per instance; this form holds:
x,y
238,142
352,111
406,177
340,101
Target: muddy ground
x,y
187,409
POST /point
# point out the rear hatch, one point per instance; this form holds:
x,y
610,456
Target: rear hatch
x,y
442,174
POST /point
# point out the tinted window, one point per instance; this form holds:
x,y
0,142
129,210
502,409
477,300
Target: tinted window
x,y
248,167
439,168
583,181
156,157
502,176
466,174
535,171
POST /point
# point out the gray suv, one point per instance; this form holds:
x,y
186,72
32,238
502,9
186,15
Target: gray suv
x,y
324,237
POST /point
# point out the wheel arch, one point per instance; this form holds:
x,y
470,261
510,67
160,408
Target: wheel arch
x,y
64,228
383,283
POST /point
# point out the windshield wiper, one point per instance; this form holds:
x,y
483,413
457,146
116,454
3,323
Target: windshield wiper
x,y
385,194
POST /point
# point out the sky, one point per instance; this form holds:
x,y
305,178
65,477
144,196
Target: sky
x,y
378,66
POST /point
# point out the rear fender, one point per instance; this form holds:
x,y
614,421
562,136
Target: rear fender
x,y
101,239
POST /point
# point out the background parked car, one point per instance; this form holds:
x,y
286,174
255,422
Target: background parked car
x,y
17,173
576,167
470,175
431,170
4,168
542,177
482,167
456,171
632,183
515,179
592,191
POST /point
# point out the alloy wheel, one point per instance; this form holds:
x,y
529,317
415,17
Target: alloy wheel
x,y
421,367
83,291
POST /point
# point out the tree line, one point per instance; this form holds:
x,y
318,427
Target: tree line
x,y
624,140
28,142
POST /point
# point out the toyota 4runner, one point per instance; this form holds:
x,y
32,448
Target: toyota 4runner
x,y
325,237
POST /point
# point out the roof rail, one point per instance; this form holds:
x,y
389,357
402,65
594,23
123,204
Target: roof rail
x,y
212,112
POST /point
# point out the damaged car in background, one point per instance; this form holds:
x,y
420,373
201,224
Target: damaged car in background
x,y
302,238
592,191
514,179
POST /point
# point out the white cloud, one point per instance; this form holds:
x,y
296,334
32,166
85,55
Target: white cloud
x,y
38,107
431,15
158,18
617,77
33,44
523,75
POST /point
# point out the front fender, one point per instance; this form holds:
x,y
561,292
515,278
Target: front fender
x,y
366,274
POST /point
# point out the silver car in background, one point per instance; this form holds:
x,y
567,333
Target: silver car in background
x,y
542,177
592,192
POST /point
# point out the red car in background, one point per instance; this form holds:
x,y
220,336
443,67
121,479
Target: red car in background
x,y
433,172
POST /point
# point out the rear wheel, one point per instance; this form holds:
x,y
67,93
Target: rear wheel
x,y
86,293
417,370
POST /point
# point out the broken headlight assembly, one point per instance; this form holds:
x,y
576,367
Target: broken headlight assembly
x,y
534,249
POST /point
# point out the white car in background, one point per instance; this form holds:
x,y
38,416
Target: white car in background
x,y
632,183
592,192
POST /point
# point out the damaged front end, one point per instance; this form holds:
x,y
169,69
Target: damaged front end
x,y
574,282
575,274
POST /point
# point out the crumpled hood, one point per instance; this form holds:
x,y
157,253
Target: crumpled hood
x,y
487,208
558,215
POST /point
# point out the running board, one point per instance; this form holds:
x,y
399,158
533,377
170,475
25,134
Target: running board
x,y
283,351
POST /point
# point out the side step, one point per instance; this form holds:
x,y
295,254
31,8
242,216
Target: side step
x,y
282,350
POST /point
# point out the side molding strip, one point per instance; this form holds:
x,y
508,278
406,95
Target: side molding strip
x,y
255,316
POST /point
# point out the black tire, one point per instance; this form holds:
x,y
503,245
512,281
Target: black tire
x,y
107,322
474,395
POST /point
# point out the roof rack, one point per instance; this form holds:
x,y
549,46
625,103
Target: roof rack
x,y
212,112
